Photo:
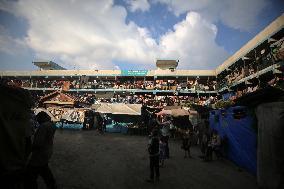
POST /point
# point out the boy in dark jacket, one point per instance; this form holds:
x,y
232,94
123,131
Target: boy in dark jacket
x,y
153,149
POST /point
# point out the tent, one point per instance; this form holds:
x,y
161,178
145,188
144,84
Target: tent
x,y
180,117
120,115
103,108
118,109
125,109
176,112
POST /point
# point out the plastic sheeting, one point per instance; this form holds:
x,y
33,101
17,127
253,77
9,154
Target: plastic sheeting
x,y
75,126
239,136
119,108
117,128
270,145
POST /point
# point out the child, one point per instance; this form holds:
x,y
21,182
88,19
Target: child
x,y
162,152
186,143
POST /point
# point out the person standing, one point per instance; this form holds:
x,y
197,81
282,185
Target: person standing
x,y
165,131
186,142
42,149
15,104
153,149
162,152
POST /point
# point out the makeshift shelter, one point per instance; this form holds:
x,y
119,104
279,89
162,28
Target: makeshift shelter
x,y
118,109
60,99
235,126
126,109
102,108
119,115
180,117
126,113
73,115
176,112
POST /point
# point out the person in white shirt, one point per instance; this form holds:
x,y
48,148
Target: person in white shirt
x,y
165,132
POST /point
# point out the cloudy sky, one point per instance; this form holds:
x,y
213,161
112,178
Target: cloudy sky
x,y
128,34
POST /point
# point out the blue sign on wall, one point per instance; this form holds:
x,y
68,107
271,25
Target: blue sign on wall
x,y
134,72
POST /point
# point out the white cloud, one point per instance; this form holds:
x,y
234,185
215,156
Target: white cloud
x,y
95,35
193,43
237,14
88,35
136,5
10,45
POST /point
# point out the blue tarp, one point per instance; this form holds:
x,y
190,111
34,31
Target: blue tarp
x,y
240,136
70,125
117,128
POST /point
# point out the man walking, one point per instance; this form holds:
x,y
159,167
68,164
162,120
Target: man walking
x,y
42,149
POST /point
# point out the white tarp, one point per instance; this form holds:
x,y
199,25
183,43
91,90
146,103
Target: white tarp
x,y
69,114
73,115
177,112
104,108
119,108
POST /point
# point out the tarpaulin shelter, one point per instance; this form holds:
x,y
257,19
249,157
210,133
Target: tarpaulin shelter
x,y
235,126
102,108
180,117
120,113
119,109
61,99
176,112
125,109
126,113
73,115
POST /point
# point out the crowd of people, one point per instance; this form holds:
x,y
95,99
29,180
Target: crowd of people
x,y
161,84
210,142
254,62
157,101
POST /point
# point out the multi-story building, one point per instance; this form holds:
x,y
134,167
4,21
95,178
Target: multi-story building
x,y
257,63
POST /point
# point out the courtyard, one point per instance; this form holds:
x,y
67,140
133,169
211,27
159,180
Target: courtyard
x,y
86,160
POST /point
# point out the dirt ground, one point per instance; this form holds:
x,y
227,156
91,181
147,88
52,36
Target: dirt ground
x,y
86,159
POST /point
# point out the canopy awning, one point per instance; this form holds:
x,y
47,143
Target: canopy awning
x,y
118,108
176,112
